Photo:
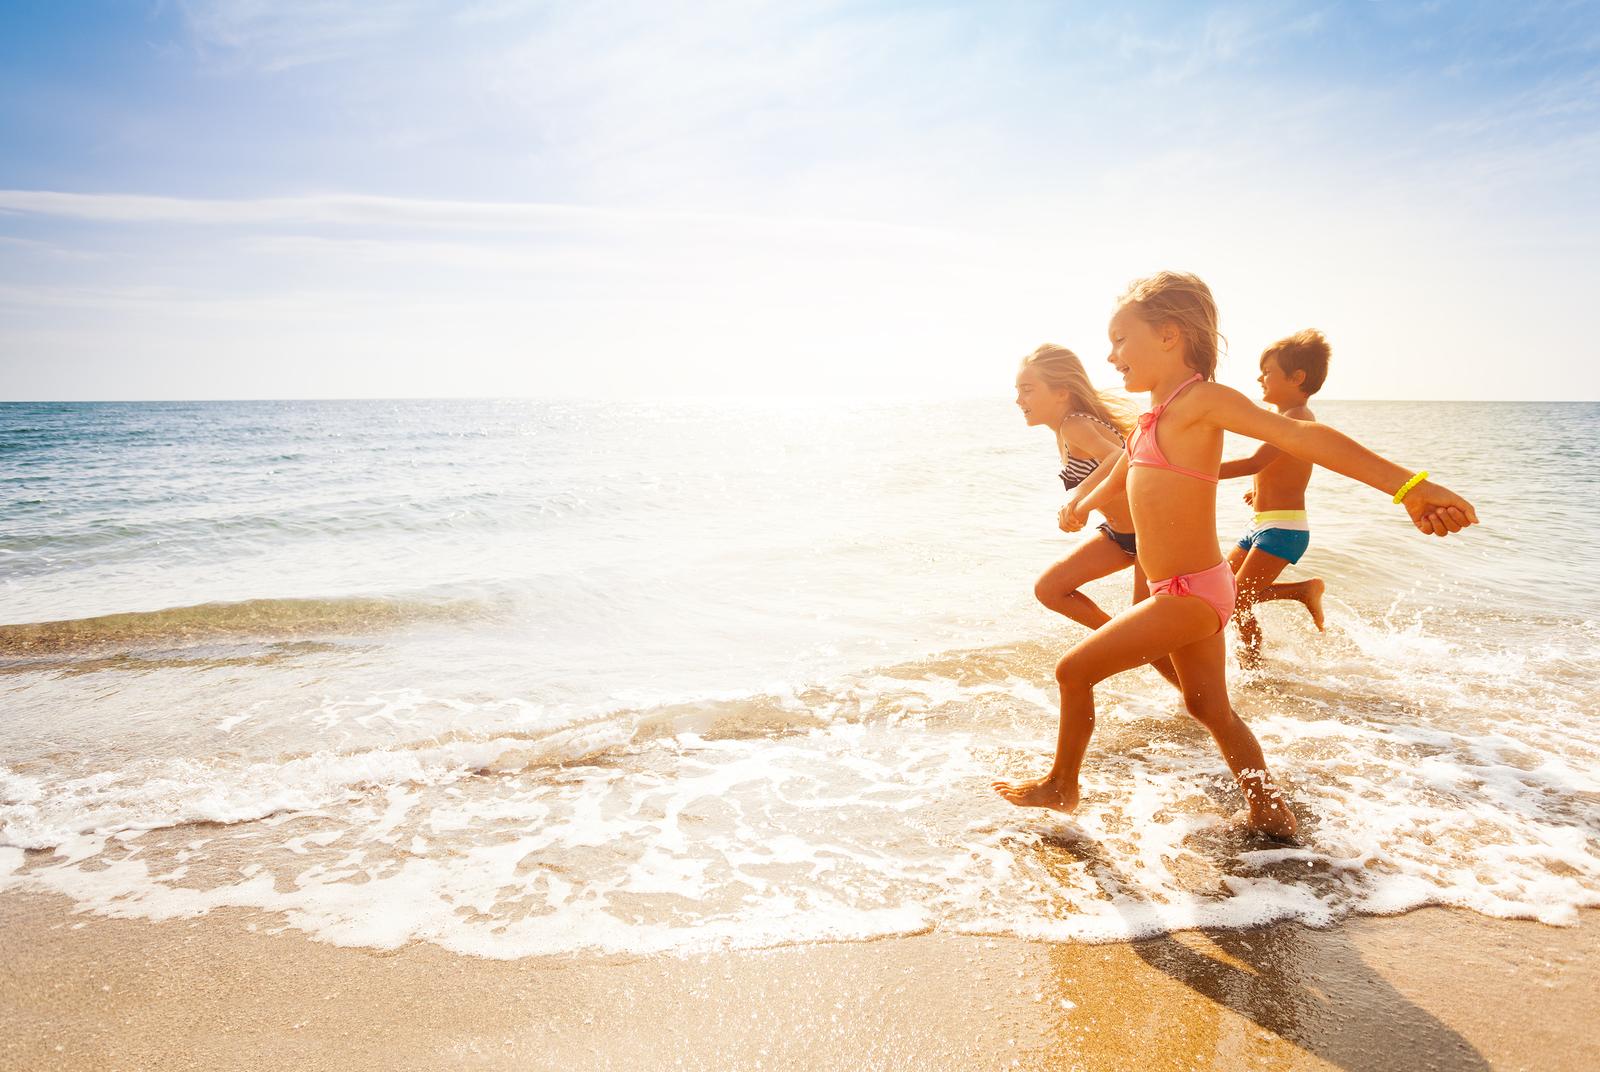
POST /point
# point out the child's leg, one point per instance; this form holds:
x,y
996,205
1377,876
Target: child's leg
x,y
1202,669
1253,574
1272,542
1141,592
1057,587
1140,634
1307,593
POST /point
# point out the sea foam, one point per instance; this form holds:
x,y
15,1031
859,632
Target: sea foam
x,y
841,812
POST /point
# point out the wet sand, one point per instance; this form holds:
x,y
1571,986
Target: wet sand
x,y
1433,989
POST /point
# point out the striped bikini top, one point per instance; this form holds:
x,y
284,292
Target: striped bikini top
x,y
1077,470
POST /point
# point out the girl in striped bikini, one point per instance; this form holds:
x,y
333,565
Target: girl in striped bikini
x,y
1164,341
1090,426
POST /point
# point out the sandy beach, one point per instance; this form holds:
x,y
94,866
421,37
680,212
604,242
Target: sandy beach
x,y
1432,989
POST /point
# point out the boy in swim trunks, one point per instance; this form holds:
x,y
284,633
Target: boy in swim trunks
x,y
1292,370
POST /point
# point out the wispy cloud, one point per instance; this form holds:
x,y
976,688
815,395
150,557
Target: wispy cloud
x,y
47,249
279,36
487,218
1562,102
338,208
1192,43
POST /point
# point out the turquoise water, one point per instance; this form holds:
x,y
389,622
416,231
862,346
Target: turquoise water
x,y
521,677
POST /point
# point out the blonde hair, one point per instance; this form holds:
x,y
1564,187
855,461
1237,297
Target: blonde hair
x,y
1181,299
1059,367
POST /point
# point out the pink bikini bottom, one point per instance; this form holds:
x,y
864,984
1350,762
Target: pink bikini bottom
x,y
1214,585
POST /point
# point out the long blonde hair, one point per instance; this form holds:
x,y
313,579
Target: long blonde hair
x,y
1059,367
1183,299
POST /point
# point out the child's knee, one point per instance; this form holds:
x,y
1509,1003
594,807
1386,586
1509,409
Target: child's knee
x,y
1073,673
1049,592
1205,709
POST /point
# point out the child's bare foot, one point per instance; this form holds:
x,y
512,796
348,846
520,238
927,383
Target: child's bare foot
x,y
1313,600
1275,821
1249,641
1269,811
1039,793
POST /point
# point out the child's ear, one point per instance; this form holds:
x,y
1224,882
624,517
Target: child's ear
x,y
1298,378
1170,335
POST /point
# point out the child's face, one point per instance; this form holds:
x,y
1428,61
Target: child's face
x,y
1279,388
1039,402
1138,351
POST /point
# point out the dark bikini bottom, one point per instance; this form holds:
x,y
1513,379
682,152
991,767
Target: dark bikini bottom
x,y
1125,540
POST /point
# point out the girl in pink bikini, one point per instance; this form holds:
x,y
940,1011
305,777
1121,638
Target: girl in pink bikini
x,y
1164,341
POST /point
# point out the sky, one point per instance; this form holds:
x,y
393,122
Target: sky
x,y
484,198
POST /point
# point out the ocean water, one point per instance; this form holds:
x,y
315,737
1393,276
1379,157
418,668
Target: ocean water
x,y
542,677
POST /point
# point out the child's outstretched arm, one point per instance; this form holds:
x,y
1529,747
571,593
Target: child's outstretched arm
x,y
1263,457
1434,508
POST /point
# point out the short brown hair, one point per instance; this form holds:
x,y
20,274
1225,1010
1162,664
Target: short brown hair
x,y
1304,351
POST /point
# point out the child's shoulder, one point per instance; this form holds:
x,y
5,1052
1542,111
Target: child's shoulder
x,y
1300,413
1210,392
1213,403
1080,422
1084,426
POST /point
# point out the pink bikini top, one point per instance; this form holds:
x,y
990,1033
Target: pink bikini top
x,y
1143,449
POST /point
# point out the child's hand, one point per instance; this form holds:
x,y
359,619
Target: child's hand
x,y
1250,496
1438,511
1071,520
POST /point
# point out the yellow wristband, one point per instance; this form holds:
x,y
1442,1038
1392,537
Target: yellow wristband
x,y
1400,495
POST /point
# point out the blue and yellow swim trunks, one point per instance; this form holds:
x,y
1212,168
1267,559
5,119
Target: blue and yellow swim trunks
x,y
1284,533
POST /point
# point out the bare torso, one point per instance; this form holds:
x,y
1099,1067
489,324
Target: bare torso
x,y
1174,514
1282,484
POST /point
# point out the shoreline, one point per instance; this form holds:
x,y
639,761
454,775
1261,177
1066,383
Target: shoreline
x,y
1433,988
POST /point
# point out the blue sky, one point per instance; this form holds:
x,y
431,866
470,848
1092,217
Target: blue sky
x,y
244,199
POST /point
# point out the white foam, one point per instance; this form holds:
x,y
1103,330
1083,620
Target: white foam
x,y
865,814
10,863
37,813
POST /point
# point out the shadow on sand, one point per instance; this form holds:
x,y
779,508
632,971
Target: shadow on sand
x,y
1310,987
